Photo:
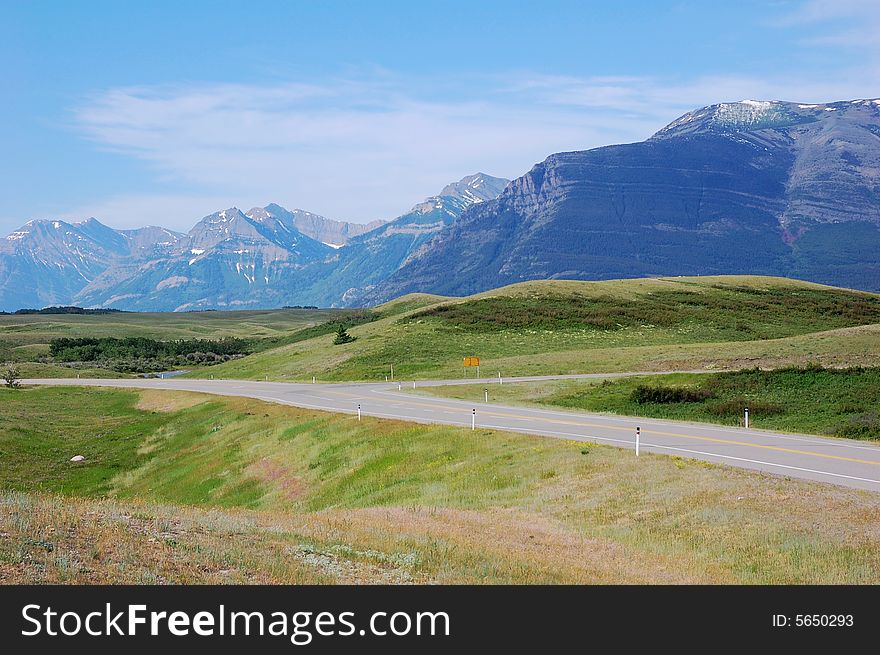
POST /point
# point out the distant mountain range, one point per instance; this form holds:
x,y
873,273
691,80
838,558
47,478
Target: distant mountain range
x,y
265,257
751,187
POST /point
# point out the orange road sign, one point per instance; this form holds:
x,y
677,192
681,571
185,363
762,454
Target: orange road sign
x,y
471,361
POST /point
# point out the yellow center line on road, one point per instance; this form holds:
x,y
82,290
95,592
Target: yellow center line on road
x,y
729,442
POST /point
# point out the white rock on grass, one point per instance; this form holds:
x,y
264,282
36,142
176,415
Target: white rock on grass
x,y
77,458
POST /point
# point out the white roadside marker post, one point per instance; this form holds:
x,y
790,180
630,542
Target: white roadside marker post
x,y
414,384
746,420
499,378
359,411
487,394
474,419
638,438
313,379
399,386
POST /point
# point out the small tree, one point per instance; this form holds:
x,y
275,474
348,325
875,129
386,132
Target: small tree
x,y
342,336
11,377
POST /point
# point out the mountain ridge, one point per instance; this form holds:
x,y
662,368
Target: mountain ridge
x,y
757,187
269,256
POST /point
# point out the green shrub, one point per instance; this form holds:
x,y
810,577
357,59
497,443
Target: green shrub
x,y
863,426
647,394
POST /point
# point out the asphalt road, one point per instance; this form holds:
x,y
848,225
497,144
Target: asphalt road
x,y
837,461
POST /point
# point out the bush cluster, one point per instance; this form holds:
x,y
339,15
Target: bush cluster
x,y
647,394
110,348
863,426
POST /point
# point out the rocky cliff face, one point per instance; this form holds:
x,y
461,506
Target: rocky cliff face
x,y
368,259
228,260
752,187
325,230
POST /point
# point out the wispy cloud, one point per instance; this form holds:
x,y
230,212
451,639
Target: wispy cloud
x,y
372,144
838,23
356,150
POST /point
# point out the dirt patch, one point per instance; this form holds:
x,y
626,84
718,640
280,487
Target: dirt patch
x,y
168,401
291,487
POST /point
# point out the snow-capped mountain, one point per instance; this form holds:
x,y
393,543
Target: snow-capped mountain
x,y
475,188
752,187
227,260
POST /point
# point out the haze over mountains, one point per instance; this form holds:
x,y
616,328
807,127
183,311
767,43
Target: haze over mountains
x,y
753,187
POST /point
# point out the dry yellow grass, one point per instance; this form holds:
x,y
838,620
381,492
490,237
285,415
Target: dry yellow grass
x,y
162,401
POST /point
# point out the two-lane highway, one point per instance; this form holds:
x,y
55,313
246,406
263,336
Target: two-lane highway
x,y
838,461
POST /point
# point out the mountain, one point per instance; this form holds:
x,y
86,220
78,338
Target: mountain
x,y
368,259
227,260
326,230
751,187
48,262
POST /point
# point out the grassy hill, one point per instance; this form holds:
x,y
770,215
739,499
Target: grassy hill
x,y
533,328
573,327
189,488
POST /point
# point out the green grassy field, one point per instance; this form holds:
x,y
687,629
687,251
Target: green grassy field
x,y
188,488
556,327
24,339
838,402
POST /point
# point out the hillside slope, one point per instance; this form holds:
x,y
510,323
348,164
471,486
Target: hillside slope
x,y
229,490
553,327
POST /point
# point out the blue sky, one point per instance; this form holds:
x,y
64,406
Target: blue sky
x,y
163,112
